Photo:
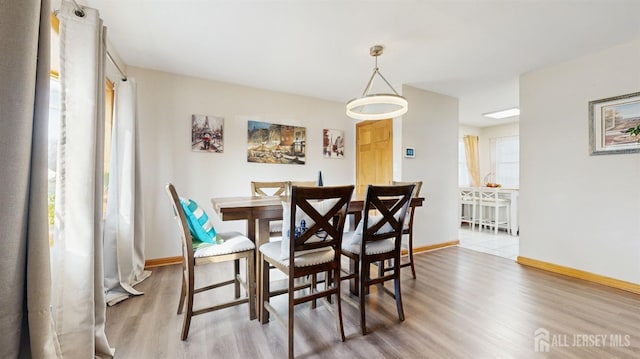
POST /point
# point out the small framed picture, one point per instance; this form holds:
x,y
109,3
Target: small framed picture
x,y
207,134
409,152
613,124
332,143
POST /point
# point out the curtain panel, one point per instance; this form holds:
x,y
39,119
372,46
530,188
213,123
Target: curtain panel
x,y
473,164
78,275
25,316
124,222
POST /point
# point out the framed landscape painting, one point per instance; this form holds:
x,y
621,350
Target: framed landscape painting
x,y
207,134
274,143
611,125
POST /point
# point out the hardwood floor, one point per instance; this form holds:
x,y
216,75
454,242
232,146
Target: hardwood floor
x,y
464,304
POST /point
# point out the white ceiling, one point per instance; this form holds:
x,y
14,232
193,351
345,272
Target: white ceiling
x,y
471,49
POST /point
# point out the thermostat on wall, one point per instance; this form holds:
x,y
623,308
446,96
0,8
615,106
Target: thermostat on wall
x,y
410,152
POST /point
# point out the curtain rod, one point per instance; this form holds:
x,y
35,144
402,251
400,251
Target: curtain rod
x,y
80,13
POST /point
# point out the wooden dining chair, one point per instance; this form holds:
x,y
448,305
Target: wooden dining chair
x,y
230,246
408,225
313,227
377,239
271,189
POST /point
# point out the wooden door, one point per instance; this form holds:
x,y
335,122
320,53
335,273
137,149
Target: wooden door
x,y
374,153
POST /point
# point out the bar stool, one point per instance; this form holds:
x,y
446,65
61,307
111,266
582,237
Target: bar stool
x,y
489,199
469,197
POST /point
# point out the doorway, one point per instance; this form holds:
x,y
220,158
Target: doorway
x,y
374,153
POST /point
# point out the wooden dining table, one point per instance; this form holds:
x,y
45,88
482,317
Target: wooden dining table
x,y
259,210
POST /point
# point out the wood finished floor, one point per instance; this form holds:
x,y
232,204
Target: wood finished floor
x,y
464,304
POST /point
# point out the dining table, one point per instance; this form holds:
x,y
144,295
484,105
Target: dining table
x,y
258,211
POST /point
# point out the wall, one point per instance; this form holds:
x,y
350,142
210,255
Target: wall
x,y
431,127
578,210
166,103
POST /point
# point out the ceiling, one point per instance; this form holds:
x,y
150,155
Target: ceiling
x,y
472,49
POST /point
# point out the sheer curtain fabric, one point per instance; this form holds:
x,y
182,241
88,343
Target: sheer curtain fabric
x,y
124,222
78,301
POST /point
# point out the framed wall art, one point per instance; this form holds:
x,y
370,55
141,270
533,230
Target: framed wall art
x,y
207,133
612,124
274,143
332,143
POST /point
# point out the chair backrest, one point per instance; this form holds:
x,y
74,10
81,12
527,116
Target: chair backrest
x,y
415,194
324,210
416,189
489,195
391,202
269,188
290,184
468,195
178,212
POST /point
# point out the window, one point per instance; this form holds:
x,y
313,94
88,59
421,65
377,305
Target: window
x,y
463,171
506,160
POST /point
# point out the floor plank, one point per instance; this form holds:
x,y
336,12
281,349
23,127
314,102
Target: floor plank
x,y
464,304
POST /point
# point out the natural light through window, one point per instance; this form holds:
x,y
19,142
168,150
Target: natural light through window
x,y
506,151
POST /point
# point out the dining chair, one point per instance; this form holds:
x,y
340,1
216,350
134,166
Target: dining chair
x,y
271,189
468,207
230,246
313,220
377,238
408,225
490,201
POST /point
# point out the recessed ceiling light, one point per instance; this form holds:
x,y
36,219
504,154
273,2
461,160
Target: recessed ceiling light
x,y
503,113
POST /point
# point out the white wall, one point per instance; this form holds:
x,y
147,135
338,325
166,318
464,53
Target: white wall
x,y
166,103
578,210
431,127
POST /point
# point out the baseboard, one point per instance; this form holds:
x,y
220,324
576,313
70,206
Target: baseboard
x,y
432,247
159,262
579,274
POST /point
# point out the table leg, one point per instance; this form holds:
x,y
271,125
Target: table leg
x,y
260,238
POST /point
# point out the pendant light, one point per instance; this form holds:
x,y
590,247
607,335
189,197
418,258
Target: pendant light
x,y
380,105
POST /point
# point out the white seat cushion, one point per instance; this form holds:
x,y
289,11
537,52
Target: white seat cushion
x,y
351,242
275,226
231,242
302,259
303,222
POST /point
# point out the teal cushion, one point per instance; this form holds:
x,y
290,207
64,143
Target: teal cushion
x,y
199,225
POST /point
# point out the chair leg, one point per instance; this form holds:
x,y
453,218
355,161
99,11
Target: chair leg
x,y
236,271
361,283
329,281
413,268
354,267
264,313
251,282
495,220
290,319
314,283
398,293
186,320
339,304
183,293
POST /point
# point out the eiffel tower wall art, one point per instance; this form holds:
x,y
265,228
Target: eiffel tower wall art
x,y
207,133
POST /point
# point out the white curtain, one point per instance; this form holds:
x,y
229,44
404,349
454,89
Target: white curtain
x,y
26,325
78,300
124,225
